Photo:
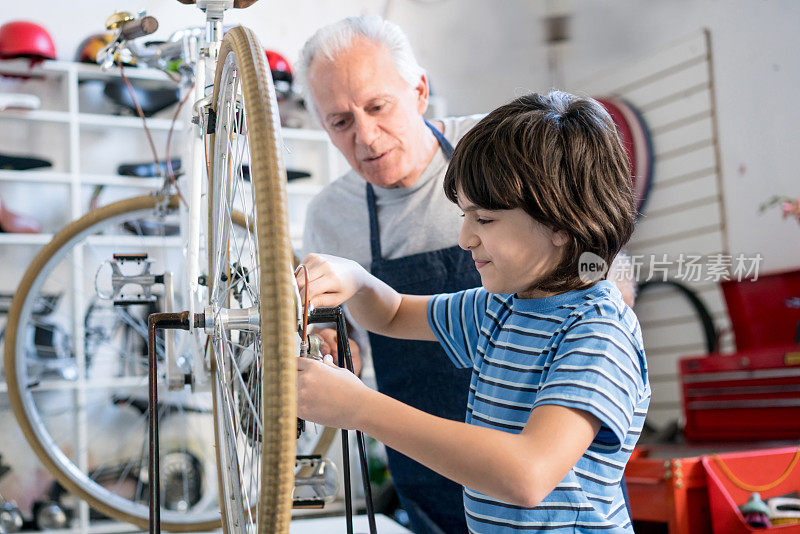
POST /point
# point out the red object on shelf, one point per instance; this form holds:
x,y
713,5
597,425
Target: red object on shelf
x,y
755,468
748,396
761,311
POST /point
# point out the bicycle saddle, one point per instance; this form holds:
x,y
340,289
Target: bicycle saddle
x,y
290,174
22,163
152,95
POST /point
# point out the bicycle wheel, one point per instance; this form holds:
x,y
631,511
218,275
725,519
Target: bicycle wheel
x,y
76,369
254,389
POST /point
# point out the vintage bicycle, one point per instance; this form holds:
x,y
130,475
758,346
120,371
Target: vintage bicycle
x,y
214,242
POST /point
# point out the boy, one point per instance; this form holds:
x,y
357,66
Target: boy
x,y
559,386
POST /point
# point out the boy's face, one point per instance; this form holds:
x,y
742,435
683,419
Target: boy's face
x,y
511,251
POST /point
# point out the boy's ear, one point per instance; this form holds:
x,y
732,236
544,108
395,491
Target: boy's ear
x,y
560,238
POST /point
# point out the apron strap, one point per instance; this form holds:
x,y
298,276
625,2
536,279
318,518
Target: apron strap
x,y
447,148
372,209
374,232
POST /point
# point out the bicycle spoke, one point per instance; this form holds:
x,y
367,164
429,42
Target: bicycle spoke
x,y
112,392
240,261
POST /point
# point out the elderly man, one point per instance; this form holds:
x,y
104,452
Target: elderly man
x,y
389,213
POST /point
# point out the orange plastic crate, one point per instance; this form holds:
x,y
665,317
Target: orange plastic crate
x,y
752,468
668,489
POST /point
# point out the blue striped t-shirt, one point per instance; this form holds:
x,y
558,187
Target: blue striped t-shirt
x,y
581,349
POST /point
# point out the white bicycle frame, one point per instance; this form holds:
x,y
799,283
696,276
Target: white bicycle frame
x,y
202,52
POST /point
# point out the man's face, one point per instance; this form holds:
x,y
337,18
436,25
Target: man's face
x,y
371,114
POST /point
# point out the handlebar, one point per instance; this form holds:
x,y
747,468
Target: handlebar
x,y
139,28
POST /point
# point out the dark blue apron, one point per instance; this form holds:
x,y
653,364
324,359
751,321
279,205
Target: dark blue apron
x,y
420,374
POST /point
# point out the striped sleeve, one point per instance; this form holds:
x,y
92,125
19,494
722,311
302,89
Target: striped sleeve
x,y
455,319
597,369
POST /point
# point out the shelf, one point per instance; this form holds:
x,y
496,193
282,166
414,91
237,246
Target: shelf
x,y
91,384
85,71
120,240
123,240
38,115
35,176
121,181
92,119
304,134
50,177
119,121
25,239
100,527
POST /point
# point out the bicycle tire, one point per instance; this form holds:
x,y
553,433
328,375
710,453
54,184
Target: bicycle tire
x,y
55,460
271,396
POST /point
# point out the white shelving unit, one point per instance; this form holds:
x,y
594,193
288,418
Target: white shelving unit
x,y
77,130
72,136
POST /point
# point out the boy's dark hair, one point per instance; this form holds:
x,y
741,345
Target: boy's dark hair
x,y
559,158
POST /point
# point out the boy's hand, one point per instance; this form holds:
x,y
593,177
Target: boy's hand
x,y
332,280
327,394
329,346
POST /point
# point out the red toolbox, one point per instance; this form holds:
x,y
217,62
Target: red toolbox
x,y
764,312
733,477
748,396
753,394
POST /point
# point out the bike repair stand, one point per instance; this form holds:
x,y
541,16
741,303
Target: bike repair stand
x,y
335,315
165,321
181,321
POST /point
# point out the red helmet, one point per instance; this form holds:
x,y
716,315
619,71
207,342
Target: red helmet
x,y
280,67
25,39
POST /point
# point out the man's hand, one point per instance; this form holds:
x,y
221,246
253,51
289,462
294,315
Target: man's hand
x,y
329,346
329,395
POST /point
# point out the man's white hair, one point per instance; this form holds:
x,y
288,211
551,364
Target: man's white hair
x,y
329,40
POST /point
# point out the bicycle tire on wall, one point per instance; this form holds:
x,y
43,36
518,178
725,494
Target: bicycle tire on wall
x,y
81,487
241,51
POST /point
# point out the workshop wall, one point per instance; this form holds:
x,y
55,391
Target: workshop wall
x,y
481,53
756,74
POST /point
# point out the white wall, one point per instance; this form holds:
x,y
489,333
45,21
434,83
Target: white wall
x,y
482,52
757,73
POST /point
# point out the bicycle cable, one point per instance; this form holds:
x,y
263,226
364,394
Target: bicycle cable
x,y
150,141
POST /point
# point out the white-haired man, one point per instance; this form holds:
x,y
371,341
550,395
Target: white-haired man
x,y
389,213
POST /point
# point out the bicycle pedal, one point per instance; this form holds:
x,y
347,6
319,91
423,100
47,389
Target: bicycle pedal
x,y
308,503
128,289
315,481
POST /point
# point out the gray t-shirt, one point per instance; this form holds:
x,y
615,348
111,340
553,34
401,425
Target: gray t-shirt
x,y
411,219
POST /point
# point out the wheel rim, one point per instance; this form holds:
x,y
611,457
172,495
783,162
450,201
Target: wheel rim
x,y
106,374
254,393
